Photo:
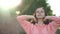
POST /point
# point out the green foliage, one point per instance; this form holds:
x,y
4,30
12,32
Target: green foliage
x,y
58,31
36,4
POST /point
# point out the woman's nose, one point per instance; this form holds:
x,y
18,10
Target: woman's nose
x,y
40,13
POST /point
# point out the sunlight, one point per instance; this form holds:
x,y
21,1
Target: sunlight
x,y
17,12
7,4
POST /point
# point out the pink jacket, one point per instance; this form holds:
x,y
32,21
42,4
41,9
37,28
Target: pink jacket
x,y
39,29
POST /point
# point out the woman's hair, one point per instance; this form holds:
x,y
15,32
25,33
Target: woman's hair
x,y
45,22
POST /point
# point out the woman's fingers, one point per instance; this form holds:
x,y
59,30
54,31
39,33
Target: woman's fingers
x,y
47,17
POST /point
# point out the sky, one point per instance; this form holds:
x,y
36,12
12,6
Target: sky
x,y
55,6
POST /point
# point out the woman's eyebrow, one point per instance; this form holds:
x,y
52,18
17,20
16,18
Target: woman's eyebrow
x,y
38,10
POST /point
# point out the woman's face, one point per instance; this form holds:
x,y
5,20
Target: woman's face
x,y
40,13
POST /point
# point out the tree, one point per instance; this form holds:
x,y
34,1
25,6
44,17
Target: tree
x,y
35,4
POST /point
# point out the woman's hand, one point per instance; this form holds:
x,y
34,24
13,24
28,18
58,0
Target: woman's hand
x,y
48,17
33,19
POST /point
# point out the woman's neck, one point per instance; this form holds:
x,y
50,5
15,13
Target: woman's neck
x,y
40,21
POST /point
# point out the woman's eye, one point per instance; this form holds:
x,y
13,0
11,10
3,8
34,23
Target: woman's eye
x,y
42,11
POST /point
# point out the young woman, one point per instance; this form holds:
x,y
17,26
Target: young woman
x,y
41,24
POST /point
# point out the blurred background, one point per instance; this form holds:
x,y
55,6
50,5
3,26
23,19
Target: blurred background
x,y
10,9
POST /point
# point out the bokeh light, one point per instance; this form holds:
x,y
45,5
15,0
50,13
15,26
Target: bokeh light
x,y
17,12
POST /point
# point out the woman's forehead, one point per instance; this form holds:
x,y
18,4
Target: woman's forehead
x,y
39,9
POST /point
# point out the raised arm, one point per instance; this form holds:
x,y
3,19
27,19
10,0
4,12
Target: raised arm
x,y
55,20
23,21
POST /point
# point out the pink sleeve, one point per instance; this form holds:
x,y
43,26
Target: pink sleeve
x,y
23,21
56,21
